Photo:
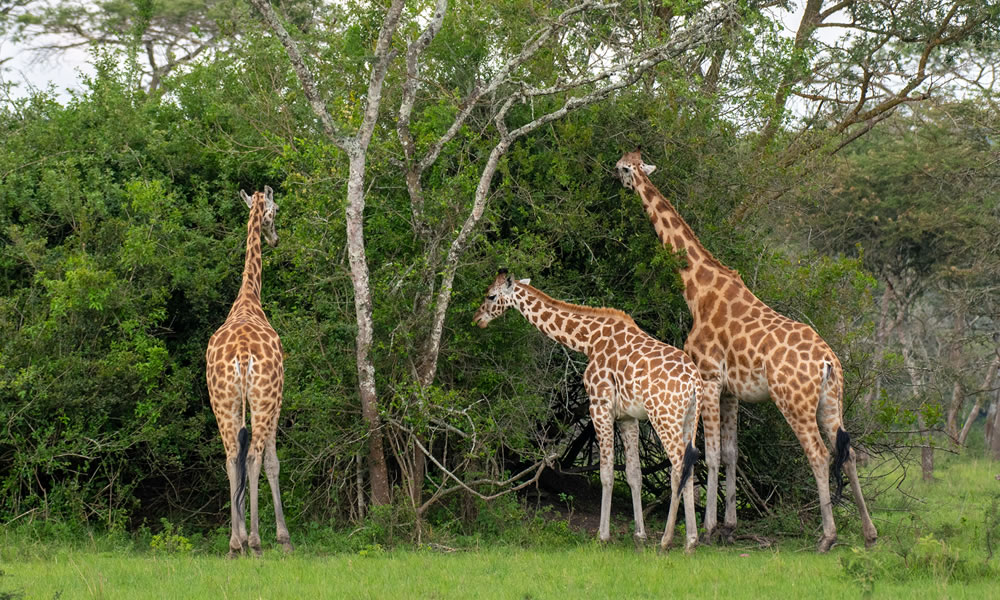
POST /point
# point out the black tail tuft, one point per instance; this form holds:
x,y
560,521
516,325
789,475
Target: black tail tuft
x,y
843,451
243,437
691,456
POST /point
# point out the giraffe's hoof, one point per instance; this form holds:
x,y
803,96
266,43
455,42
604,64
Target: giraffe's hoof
x,y
234,554
639,542
689,547
825,543
870,542
287,547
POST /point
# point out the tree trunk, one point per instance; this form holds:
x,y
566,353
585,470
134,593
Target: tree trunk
x,y
993,430
926,452
882,331
986,391
956,359
810,18
377,472
926,449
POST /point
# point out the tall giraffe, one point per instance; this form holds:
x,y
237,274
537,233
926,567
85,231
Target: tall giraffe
x,y
747,351
244,366
630,377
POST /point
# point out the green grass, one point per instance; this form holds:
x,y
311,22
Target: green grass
x,y
587,572
933,547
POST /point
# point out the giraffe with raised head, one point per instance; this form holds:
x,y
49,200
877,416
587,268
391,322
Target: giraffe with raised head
x,y
244,367
630,376
746,351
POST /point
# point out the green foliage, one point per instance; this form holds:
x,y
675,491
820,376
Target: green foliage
x,y
170,540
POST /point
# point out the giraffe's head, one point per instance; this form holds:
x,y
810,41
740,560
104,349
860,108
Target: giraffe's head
x,y
499,298
268,208
629,167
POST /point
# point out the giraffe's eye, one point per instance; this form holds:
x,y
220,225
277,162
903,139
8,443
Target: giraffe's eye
x,y
492,297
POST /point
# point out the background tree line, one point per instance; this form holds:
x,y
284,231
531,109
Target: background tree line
x,y
416,147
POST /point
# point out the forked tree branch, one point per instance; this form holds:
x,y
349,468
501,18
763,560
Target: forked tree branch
x,y
699,32
304,75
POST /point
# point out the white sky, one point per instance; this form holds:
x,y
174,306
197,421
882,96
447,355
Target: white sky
x,y
30,70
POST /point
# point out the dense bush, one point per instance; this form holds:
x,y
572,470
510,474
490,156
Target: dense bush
x,y
122,245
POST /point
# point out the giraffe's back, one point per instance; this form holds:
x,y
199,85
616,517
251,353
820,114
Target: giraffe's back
x,y
754,345
646,374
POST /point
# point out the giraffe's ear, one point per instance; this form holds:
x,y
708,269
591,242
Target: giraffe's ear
x,y
524,281
510,282
269,194
648,169
246,199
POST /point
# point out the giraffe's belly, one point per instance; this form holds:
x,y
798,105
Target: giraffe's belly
x,y
628,408
748,388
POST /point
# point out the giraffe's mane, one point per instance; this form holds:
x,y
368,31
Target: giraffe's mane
x,y
580,309
709,257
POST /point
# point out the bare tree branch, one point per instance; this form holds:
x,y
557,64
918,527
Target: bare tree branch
x,y
305,76
699,32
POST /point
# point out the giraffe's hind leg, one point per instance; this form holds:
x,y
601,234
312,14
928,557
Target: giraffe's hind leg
x,y
224,399
830,417
253,475
800,413
271,469
678,442
237,499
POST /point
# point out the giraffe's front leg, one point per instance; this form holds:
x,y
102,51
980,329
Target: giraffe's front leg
x,y
633,473
729,412
600,414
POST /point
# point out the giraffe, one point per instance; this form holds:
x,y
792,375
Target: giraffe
x,y
746,351
244,366
630,377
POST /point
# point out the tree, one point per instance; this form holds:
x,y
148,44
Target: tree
x,y
170,33
515,74
922,217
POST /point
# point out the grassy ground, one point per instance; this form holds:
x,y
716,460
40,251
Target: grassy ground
x,y
933,544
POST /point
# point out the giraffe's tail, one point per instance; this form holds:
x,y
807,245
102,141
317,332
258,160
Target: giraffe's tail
x,y
691,456
843,451
689,428
243,438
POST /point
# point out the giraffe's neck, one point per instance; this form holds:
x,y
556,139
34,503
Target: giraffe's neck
x,y
569,324
702,267
249,296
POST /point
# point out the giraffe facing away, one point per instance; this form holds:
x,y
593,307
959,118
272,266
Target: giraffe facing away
x,y
244,366
630,377
747,351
